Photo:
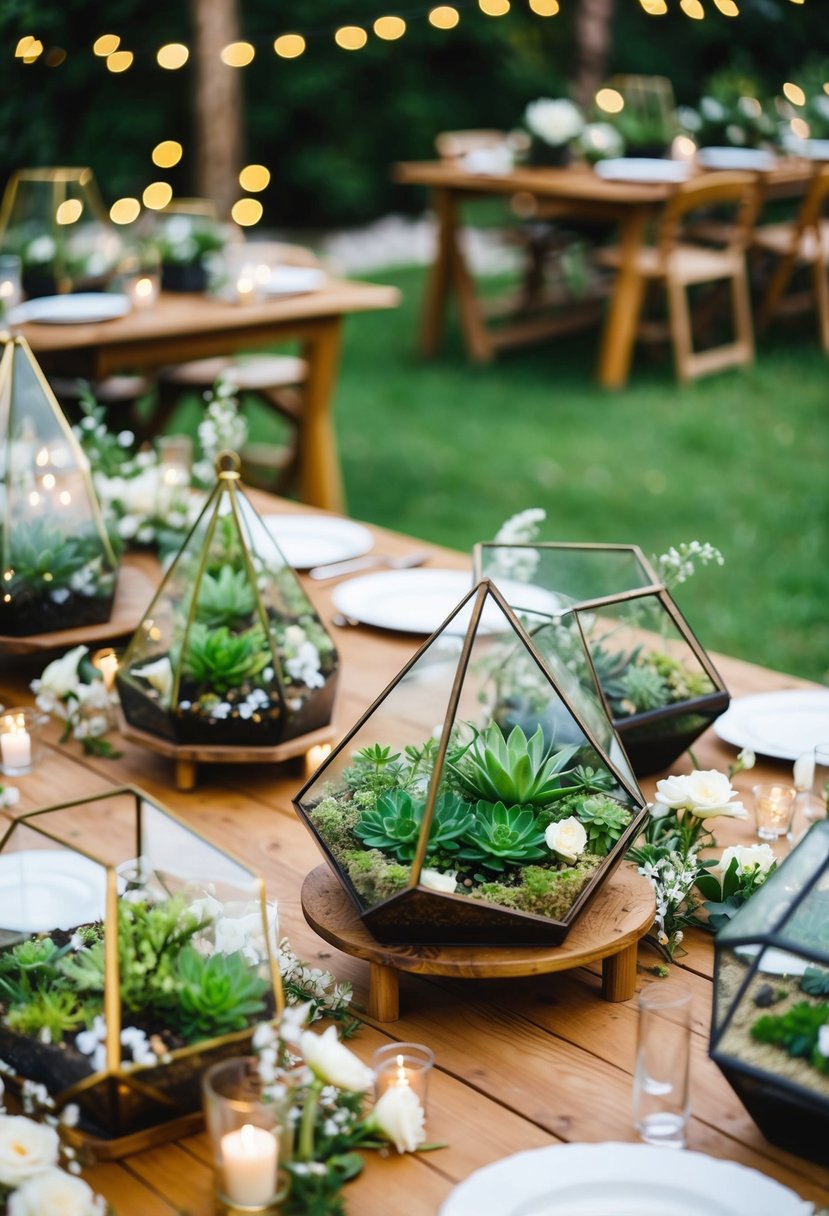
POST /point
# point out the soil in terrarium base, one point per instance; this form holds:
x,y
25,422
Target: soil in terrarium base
x,y
33,614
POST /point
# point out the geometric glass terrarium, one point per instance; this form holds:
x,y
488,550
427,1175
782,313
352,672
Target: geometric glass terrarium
x,y
57,567
770,1023
231,651
55,221
482,798
133,954
659,687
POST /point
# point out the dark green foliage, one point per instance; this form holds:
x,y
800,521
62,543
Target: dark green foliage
x,y
220,660
216,995
43,558
516,771
394,824
815,981
225,598
503,836
796,1032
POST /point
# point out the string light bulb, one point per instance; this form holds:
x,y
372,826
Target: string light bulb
x,y
105,45
692,8
494,8
444,17
166,154
727,7
794,94
119,61
246,212
238,54
172,55
289,46
351,37
69,211
125,211
254,178
157,195
610,100
389,28
545,8
654,8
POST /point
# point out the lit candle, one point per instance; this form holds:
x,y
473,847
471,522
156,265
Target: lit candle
x,y
15,744
773,809
107,663
249,1159
402,1066
315,756
143,290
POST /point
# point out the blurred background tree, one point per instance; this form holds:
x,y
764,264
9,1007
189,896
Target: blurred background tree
x,y
330,123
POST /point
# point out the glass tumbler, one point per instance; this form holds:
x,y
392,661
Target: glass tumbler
x,y
661,1098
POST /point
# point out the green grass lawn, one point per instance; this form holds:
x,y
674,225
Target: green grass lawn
x,y
446,451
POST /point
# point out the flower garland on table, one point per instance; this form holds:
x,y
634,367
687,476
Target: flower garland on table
x,y
73,689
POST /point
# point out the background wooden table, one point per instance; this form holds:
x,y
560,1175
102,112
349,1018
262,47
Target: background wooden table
x,y
520,1063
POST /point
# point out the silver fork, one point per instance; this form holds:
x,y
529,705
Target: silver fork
x,y
371,561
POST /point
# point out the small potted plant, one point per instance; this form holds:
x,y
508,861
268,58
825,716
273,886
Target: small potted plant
x,y
554,124
186,243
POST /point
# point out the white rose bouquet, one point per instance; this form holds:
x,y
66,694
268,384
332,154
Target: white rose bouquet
x,y
731,881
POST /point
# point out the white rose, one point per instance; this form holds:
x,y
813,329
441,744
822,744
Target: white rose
x,y
709,795
55,1193
26,1148
60,677
333,1063
9,796
671,792
556,122
567,838
398,1116
823,1041
437,881
804,771
749,857
159,675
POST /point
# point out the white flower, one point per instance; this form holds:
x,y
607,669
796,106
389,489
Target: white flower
x,y
398,1116
55,1193
712,109
704,793
556,122
331,1061
520,528
60,677
9,796
159,675
750,857
436,880
804,771
602,139
823,1041
746,759
567,838
670,792
41,249
26,1148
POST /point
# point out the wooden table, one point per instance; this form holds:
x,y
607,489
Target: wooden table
x,y
576,192
184,327
520,1063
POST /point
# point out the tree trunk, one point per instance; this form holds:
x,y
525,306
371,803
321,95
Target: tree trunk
x,y
217,103
593,22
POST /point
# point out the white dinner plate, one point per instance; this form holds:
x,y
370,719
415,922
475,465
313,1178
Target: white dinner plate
x,y
642,169
815,149
619,1180
43,889
418,601
293,280
751,159
782,725
315,540
84,308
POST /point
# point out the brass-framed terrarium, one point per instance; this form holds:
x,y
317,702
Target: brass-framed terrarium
x,y
482,798
660,688
54,219
133,954
770,1022
188,234
57,566
231,653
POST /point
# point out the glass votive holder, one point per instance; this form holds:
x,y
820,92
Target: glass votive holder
x,y
773,810
250,1138
143,290
20,741
404,1065
106,661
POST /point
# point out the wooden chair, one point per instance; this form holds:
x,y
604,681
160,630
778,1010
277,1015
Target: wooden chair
x,y
677,262
801,244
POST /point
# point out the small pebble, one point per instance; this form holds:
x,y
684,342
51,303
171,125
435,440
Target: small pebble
x,y
765,996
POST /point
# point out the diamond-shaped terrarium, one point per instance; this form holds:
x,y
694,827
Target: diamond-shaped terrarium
x,y
770,1021
660,688
231,657
133,954
57,567
483,798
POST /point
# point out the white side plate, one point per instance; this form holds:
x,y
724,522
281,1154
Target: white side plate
x,y
642,169
316,540
418,601
43,889
782,725
750,159
619,1180
85,308
292,280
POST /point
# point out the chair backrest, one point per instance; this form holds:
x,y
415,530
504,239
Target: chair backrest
x,y
814,201
713,190
452,144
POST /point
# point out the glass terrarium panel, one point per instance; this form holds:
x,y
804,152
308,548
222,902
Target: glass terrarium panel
x,y
55,221
117,917
58,568
574,573
476,822
231,650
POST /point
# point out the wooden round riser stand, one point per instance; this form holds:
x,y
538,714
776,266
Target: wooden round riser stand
x,y
188,757
608,930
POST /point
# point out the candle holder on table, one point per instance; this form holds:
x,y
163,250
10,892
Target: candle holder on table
x,y
20,741
403,1066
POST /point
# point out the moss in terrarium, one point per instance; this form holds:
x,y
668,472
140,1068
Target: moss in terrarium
x,y
683,683
374,877
335,822
543,890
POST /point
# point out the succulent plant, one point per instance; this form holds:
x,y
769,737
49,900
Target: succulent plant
x,y
216,995
30,967
225,598
393,824
516,771
643,689
502,836
222,660
47,1015
40,556
797,1032
604,821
